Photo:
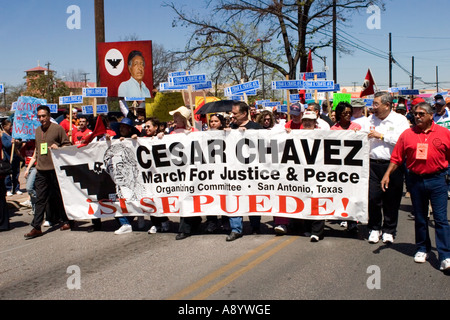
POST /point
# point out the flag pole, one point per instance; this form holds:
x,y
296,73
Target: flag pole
x,y
374,82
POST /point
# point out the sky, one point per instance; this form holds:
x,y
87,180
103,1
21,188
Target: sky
x,y
35,31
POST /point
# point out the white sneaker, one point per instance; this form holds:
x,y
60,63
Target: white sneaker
x,y
9,194
388,238
126,228
47,224
26,203
280,229
420,257
445,265
314,238
152,230
374,236
165,226
343,224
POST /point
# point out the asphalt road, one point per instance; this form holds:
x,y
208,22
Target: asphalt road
x,y
77,265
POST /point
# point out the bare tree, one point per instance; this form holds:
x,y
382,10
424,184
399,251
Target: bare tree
x,y
293,26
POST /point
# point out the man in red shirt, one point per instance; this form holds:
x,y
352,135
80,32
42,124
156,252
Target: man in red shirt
x,y
426,149
82,131
296,111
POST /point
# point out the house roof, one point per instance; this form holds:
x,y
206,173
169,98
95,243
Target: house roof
x,y
38,68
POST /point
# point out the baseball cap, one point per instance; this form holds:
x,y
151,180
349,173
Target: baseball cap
x,y
440,102
309,115
401,106
416,101
296,109
358,103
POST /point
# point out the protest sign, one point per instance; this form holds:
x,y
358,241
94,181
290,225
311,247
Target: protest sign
x,y
341,97
25,118
304,174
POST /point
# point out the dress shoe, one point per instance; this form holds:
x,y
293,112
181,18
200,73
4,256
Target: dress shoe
x,y
33,234
233,236
182,236
65,226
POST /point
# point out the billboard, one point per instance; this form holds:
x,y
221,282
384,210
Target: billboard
x,y
126,68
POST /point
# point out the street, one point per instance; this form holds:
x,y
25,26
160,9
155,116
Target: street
x,y
77,265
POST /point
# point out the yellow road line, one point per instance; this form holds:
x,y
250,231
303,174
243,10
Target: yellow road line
x,y
206,293
195,286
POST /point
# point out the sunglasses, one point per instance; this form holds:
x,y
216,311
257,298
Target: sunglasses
x,y
420,114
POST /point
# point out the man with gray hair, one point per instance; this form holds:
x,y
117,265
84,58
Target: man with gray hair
x,y
135,87
386,126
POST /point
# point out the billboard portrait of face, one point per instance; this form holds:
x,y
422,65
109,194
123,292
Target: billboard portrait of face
x,y
126,68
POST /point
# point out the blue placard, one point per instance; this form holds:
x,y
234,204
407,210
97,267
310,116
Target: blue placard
x,y
261,102
272,104
179,74
53,108
25,118
282,108
337,88
70,100
288,85
2,88
87,110
134,99
95,92
102,108
408,92
368,102
165,86
319,85
248,93
240,88
396,89
311,75
187,80
202,86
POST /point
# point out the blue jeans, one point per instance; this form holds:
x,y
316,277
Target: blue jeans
x,y
30,185
431,189
124,220
236,223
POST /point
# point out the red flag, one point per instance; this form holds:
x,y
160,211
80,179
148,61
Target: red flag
x,y
368,86
98,131
309,67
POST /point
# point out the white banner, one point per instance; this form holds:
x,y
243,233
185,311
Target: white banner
x,y
305,174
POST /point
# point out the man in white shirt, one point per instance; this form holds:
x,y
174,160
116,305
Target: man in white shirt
x,y
321,124
386,126
358,115
135,87
441,115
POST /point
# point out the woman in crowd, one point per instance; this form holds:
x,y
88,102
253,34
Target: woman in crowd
x,y
344,111
216,122
266,119
152,129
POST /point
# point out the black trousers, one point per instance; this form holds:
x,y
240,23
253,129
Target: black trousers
x,y
384,204
47,193
4,212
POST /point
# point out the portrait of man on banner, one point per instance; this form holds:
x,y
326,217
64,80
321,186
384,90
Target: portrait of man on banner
x,y
126,68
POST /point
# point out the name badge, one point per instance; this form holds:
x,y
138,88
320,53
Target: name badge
x,y
422,151
44,148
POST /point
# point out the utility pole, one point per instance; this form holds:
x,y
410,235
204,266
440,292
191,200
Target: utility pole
x,y
437,79
412,77
262,41
334,42
85,79
99,31
390,60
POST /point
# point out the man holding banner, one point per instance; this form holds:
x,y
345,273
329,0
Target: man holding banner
x,y
48,136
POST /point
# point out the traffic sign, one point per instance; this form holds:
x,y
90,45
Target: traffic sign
x,y
70,100
187,80
319,85
241,88
95,92
288,84
53,107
